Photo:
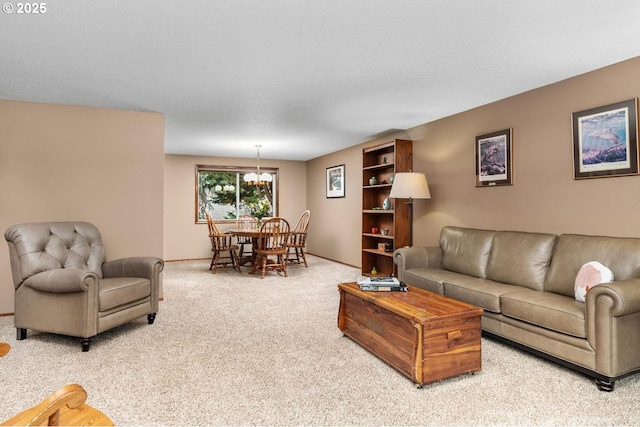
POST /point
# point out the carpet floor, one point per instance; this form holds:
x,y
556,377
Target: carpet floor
x,y
232,349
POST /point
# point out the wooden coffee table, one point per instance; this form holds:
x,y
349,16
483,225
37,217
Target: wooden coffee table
x,y
425,336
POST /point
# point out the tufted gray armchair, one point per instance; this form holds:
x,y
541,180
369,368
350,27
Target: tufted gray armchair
x,y
64,285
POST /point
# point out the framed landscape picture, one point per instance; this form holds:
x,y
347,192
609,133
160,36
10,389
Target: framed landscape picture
x,y
335,181
493,159
605,141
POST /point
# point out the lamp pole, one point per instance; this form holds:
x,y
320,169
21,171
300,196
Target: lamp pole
x,y
410,185
410,203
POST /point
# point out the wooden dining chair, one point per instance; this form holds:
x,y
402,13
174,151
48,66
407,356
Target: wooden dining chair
x,y
298,240
272,242
245,222
225,253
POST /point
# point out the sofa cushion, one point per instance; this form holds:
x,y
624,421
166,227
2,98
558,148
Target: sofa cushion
x,y
466,250
480,292
122,290
431,279
520,258
620,254
548,310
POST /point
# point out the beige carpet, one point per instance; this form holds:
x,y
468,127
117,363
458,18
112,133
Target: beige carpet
x,y
231,349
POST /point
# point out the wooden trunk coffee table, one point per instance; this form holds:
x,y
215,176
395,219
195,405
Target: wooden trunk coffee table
x,y
425,336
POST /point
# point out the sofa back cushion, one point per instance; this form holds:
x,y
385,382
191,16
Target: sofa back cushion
x,y
466,250
38,247
620,254
520,258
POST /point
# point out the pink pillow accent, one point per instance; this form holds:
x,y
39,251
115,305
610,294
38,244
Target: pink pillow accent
x,y
591,274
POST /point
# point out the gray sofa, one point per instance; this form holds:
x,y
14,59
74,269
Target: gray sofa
x,y
525,284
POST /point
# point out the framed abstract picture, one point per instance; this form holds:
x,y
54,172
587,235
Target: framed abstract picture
x,y
494,159
605,141
335,181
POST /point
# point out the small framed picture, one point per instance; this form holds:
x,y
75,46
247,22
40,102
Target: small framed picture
x,y
493,159
335,181
605,141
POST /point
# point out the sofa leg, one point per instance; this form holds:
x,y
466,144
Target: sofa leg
x,y
86,343
151,318
605,385
21,334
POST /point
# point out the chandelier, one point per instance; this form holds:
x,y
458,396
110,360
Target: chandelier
x,y
257,178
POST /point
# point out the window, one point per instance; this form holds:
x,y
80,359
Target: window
x,y
223,192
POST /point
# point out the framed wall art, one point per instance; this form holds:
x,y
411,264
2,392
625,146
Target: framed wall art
x,y
335,181
494,159
605,141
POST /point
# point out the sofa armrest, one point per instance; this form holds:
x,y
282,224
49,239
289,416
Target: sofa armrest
x,y
415,257
613,318
147,267
62,280
624,295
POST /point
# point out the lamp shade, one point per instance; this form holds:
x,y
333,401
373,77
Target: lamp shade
x,y
251,177
410,185
266,177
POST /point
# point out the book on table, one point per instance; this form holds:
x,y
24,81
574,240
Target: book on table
x,y
381,284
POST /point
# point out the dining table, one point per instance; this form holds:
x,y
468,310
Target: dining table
x,y
253,234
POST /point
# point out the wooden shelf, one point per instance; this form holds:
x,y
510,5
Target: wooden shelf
x,y
379,235
380,166
377,252
366,187
383,162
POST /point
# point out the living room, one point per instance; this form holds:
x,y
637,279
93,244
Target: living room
x,y
143,199
109,167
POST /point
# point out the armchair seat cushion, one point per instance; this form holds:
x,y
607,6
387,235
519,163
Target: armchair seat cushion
x,y
122,290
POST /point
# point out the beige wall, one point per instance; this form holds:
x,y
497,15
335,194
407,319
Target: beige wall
x,y
183,238
76,163
544,197
336,222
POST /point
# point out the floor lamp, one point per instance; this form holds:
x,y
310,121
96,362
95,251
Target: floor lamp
x,y
410,185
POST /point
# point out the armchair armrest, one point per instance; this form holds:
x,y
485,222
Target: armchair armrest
x,y
414,257
147,267
62,280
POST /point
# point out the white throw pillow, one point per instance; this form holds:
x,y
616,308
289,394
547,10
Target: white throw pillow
x,y
591,274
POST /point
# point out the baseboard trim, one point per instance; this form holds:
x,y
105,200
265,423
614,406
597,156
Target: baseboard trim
x,y
333,260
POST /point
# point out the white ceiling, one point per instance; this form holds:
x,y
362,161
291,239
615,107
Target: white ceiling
x,y
303,78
